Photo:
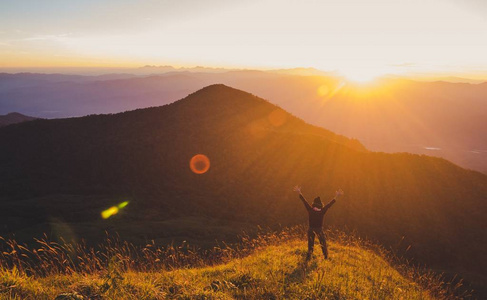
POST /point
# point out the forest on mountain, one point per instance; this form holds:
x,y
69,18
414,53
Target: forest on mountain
x,y
443,119
56,176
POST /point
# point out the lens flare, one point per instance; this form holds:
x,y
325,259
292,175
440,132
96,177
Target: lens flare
x,y
109,212
199,164
123,204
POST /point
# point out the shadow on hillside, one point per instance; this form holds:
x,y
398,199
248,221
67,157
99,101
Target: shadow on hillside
x,y
303,268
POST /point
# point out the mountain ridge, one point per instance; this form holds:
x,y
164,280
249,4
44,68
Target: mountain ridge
x,y
14,118
389,115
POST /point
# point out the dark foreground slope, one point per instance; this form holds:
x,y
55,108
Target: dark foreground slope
x,y
57,175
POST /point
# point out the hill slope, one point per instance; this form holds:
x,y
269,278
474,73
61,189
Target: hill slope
x,y
58,175
13,118
274,271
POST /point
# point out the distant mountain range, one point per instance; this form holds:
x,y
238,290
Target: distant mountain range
x,y
56,176
13,118
435,118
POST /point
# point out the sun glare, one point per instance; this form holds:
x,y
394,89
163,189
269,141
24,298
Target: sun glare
x,y
361,78
363,74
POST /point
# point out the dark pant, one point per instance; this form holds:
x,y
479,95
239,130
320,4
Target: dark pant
x,y
311,240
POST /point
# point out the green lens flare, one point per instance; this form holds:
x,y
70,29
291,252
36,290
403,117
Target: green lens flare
x,y
123,204
107,213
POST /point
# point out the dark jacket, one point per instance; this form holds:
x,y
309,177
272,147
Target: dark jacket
x,y
316,215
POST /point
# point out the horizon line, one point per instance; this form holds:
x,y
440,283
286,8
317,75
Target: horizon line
x,y
478,77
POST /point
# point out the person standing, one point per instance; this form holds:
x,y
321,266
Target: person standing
x,y
316,212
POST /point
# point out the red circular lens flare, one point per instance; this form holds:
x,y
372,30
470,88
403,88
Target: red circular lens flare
x,y
199,164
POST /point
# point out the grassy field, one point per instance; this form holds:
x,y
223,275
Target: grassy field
x,y
269,267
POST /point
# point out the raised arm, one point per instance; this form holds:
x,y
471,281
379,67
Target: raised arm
x,y
306,204
338,194
325,208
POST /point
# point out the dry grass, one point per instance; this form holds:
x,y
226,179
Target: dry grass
x,y
270,266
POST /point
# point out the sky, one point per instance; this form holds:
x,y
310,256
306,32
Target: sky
x,y
357,38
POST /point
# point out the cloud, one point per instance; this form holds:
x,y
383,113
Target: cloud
x,y
479,6
404,65
47,37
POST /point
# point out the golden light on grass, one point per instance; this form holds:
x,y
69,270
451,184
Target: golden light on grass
x,y
199,164
35,272
277,117
107,213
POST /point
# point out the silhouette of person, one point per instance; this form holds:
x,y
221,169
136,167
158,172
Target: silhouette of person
x,y
316,211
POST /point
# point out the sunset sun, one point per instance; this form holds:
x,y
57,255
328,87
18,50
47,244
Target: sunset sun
x,y
362,75
361,78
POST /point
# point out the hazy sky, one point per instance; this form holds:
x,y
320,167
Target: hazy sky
x,y
356,37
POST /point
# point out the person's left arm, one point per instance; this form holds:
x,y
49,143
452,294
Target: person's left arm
x,y
338,194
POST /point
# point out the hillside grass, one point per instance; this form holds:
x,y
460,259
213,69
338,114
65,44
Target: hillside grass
x,y
269,267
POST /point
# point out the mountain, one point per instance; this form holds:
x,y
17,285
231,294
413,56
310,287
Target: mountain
x,y
433,118
58,96
58,175
13,118
440,119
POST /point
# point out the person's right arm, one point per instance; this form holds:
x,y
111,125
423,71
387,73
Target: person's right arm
x,y
306,204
